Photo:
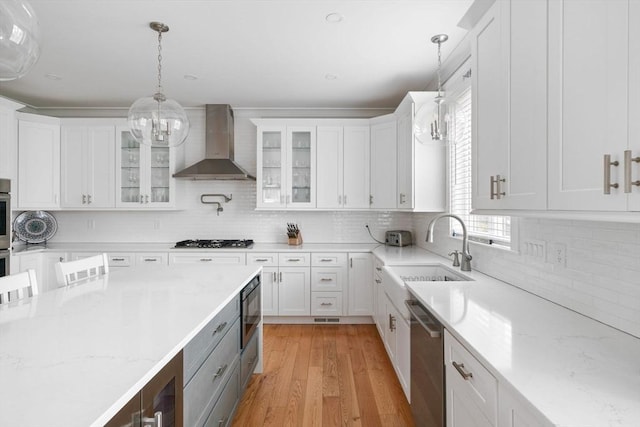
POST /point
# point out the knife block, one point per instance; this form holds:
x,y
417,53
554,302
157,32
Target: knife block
x,y
296,241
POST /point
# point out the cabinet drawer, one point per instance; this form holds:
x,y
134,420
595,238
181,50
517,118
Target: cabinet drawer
x,y
328,259
222,413
121,260
327,278
152,258
197,350
266,259
249,360
481,388
293,260
228,258
326,303
206,386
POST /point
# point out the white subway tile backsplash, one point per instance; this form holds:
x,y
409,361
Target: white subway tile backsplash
x,y
601,277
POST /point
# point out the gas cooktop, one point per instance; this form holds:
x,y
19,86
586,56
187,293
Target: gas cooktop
x,y
214,244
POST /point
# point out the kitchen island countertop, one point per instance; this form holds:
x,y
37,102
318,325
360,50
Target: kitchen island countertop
x,y
74,356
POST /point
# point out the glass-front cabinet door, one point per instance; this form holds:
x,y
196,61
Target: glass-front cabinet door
x,y
286,167
143,175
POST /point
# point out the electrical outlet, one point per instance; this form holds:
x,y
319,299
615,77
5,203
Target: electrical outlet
x,y
534,249
557,254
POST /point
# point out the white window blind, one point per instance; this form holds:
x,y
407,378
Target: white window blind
x,y
486,229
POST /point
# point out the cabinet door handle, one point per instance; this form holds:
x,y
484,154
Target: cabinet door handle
x,y
344,199
220,328
370,199
627,171
281,277
222,422
275,277
607,174
392,323
84,199
141,198
402,198
89,199
460,368
495,182
326,303
351,262
378,281
378,268
219,372
146,198
339,200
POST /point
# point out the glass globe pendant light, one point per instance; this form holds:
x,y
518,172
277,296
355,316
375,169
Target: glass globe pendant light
x,y
19,39
157,120
426,129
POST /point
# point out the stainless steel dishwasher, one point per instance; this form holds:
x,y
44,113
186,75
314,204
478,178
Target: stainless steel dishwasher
x,y
427,367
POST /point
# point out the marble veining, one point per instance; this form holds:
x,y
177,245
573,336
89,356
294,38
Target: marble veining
x,y
75,355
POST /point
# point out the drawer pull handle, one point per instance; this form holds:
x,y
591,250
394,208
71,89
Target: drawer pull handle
x,y
326,260
294,260
150,260
250,361
206,259
219,372
378,281
378,268
326,279
460,368
326,303
607,174
117,259
222,422
262,259
220,328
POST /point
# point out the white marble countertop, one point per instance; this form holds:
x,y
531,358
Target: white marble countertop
x,y
574,370
19,249
75,355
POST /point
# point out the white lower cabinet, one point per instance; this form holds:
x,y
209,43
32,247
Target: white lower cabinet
x,y
513,411
379,298
360,285
472,392
397,341
328,283
218,258
294,291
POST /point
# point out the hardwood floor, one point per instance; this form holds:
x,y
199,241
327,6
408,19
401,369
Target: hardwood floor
x,y
324,375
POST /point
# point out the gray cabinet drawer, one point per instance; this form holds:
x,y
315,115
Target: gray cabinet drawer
x,y
206,385
222,413
249,360
197,350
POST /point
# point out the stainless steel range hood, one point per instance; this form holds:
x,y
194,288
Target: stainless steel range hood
x,y
218,161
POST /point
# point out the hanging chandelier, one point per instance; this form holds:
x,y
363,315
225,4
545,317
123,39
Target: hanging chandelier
x,y
157,120
19,39
436,129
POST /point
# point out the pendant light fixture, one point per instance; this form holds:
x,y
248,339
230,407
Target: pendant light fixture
x,y
157,120
436,129
19,39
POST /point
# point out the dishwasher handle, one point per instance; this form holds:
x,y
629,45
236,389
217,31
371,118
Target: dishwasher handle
x,y
414,315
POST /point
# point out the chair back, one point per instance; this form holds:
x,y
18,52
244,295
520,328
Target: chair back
x,y
72,272
13,287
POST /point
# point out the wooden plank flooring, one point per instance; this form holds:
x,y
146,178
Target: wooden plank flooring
x,y
324,375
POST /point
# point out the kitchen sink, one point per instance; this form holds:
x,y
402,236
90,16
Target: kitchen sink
x,y
428,273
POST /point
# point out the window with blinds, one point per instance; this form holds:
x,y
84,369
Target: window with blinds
x,y
482,228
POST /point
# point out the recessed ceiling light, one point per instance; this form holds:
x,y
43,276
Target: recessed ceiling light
x,y
330,76
334,18
52,76
190,77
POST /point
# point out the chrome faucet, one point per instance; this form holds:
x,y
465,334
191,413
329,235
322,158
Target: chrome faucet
x,y
466,256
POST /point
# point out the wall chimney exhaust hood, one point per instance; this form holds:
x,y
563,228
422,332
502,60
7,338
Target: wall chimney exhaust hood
x,y
218,161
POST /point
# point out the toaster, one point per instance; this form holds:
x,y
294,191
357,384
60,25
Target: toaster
x,y
398,238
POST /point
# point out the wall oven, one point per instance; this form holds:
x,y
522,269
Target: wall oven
x,y
5,214
250,309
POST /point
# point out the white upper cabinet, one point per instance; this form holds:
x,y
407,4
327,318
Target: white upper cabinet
x,y
589,45
509,104
343,167
286,158
143,173
420,165
384,166
9,141
38,162
87,166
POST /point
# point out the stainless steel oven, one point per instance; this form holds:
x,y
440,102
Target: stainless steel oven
x,y
4,263
250,309
5,213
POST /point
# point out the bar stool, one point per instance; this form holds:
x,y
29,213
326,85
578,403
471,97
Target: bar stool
x,y
72,272
13,287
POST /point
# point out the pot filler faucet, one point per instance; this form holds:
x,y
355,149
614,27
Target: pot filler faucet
x,y
466,257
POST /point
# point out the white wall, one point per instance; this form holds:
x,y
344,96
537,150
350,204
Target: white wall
x,y
601,276
239,218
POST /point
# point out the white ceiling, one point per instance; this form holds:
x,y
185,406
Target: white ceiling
x,y
247,53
